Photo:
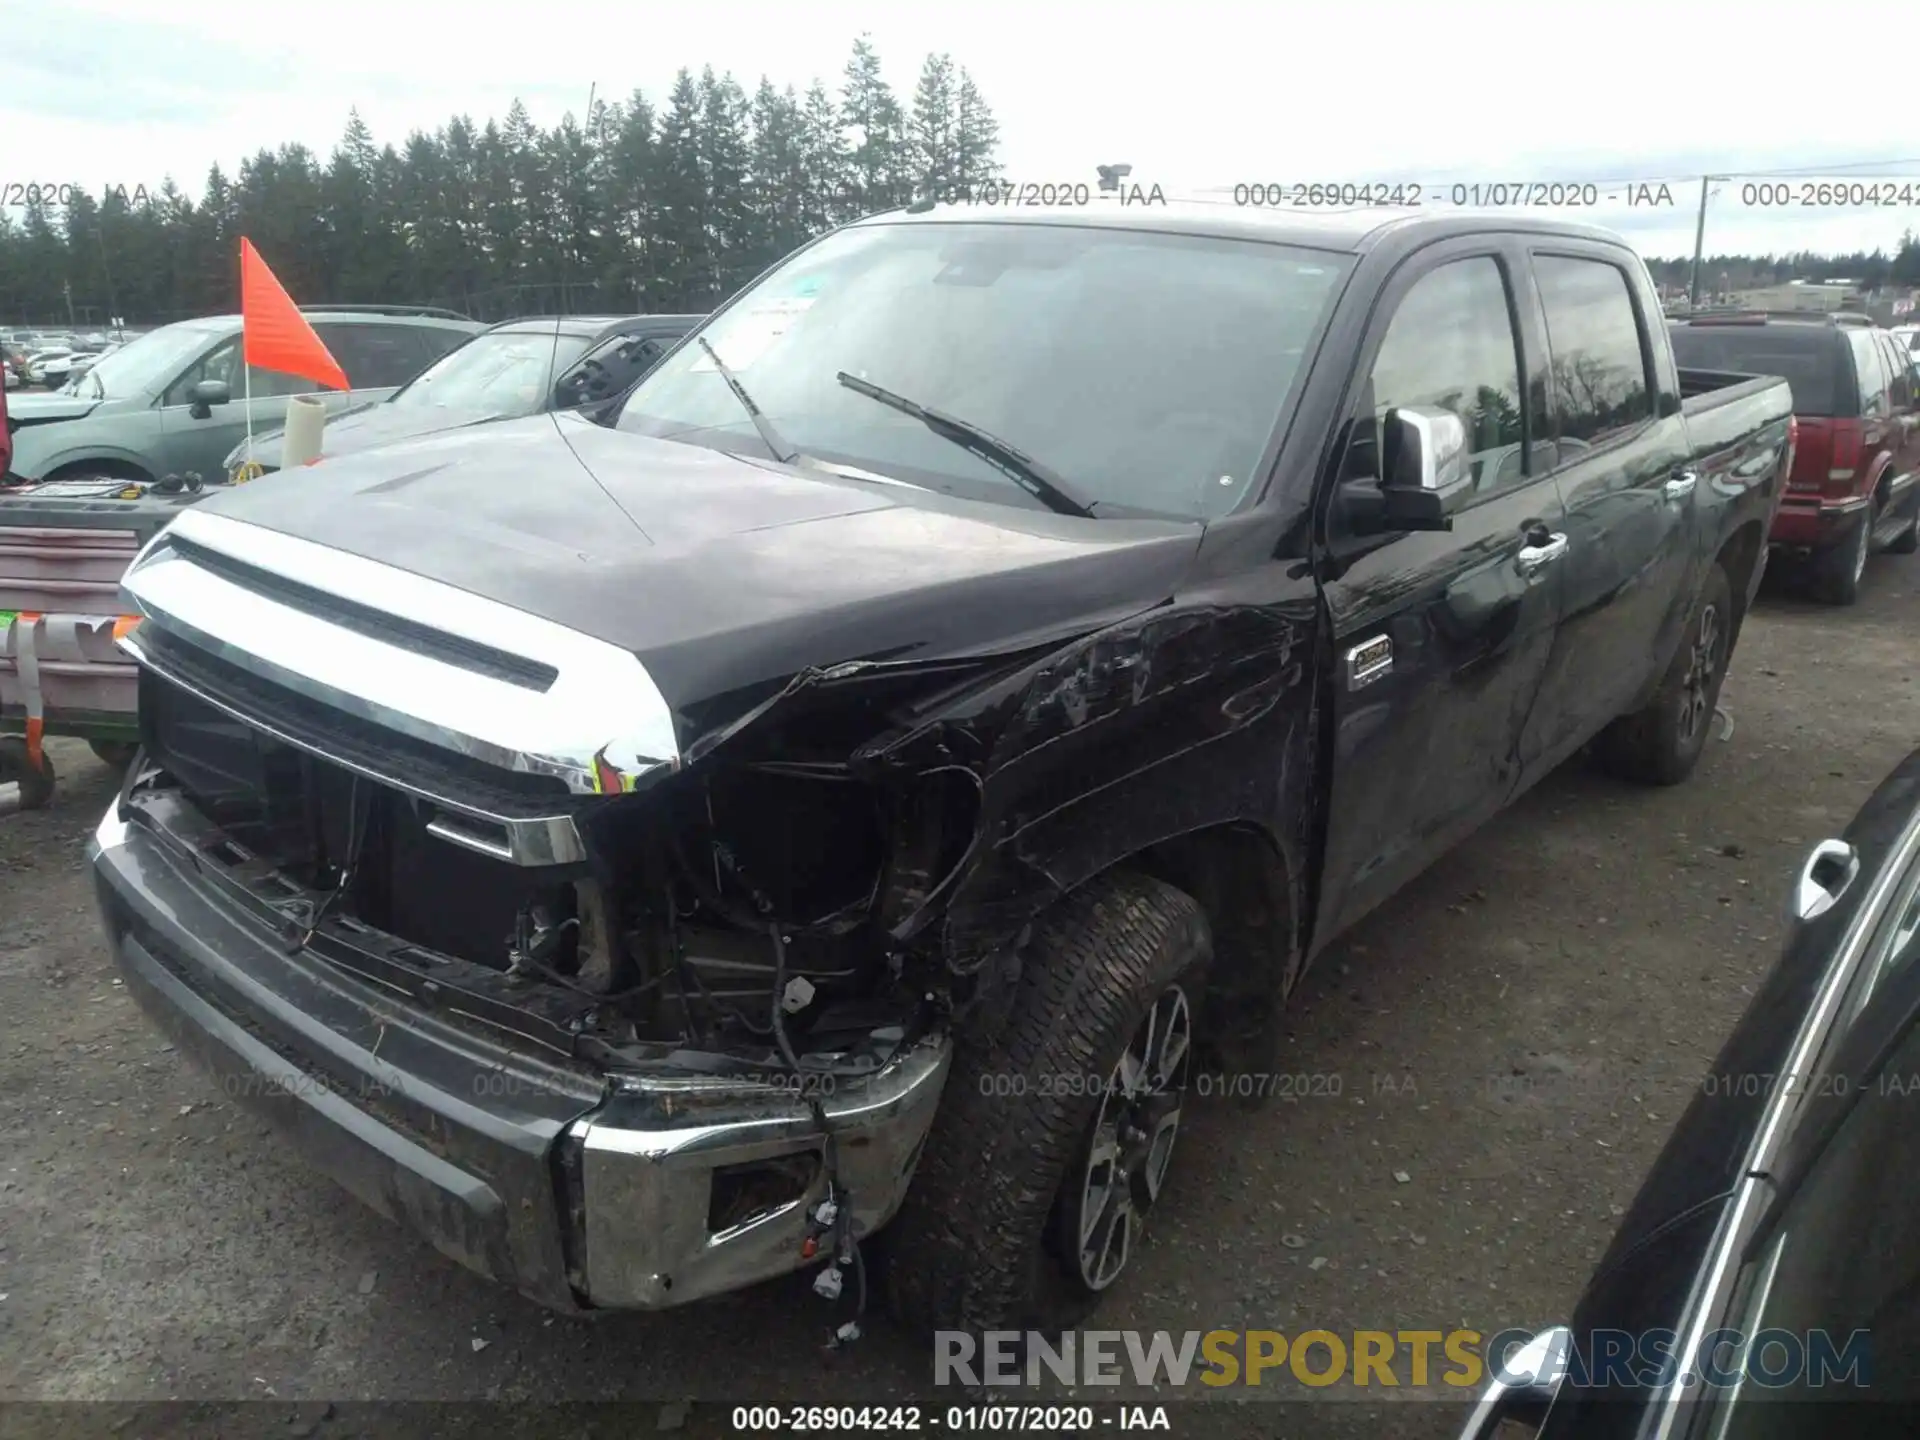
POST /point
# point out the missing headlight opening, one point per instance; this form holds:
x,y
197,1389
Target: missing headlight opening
x,y
659,940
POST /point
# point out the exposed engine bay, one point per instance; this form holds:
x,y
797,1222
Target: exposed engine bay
x,y
769,877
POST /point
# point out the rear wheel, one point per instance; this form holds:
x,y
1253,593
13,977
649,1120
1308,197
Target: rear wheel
x,y
1837,572
1054,1142
1662,742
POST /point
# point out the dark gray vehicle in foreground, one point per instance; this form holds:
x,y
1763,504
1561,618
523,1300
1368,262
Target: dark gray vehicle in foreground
x,y
1766,1280
973,677
515,369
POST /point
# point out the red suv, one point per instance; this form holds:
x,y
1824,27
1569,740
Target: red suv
x,y
1852,488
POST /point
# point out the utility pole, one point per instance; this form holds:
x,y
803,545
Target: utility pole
x,y
1699,241
66,288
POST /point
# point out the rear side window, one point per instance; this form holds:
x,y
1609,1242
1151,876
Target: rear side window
x,y
1869,371
1599,368
375,357
1899,371
1810,358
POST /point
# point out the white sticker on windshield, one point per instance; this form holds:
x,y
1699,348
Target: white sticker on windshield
x,y
749,336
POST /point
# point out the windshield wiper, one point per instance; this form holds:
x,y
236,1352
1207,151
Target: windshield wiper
x,y
783,452
1018,466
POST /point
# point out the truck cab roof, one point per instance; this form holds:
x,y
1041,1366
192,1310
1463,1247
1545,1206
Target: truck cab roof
x,y
1348,231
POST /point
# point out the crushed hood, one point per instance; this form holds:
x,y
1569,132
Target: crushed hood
x,y
719,573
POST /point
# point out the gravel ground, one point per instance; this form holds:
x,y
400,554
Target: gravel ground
x,y
1510,1040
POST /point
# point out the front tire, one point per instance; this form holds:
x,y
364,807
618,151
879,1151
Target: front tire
x,y
1662,742
36,781
1054,1140
115,754
1909,540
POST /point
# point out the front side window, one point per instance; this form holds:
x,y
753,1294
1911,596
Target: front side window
x,y
609,368
1451,345
1598,367
221,363
1149,371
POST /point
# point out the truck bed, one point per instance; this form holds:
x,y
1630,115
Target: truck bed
x,y
1724,407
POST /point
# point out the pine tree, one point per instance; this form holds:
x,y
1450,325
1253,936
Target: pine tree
x,y
869,110
933,140
682,267
829,167
976,137
633,206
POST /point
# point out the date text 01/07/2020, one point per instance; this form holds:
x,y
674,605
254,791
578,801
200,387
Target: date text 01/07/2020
x,y
1468,195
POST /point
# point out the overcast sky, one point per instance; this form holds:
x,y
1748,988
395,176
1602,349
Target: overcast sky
x,y
125,92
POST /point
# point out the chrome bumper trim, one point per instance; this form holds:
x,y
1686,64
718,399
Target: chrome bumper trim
x,y
648,1158
602,713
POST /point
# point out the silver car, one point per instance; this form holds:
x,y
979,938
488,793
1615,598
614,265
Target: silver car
x,y
176,400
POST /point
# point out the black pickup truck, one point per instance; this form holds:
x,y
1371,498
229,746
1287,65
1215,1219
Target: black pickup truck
x,y
956,698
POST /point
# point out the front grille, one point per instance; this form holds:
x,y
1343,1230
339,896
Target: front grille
x,y
352,741
394,630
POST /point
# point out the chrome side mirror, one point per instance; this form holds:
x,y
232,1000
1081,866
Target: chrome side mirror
x,y
1425,469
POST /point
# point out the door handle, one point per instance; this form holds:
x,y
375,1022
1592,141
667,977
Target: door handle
x,y
1681,485
1829,870
1534,558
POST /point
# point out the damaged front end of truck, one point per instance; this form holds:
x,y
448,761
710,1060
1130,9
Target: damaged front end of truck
x,y
741,941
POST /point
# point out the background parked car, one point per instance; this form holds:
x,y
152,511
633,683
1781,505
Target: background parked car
x,y
1852,491
172,401
515,369
37,362
58,372
1786,1199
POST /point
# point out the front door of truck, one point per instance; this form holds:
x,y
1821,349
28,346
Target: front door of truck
x,y
1440,638
199,443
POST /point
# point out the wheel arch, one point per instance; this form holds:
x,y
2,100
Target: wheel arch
x,y
112,464
1249,890
1739,555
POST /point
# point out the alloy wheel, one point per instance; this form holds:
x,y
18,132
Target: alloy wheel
x,y
1133,1139
1703,664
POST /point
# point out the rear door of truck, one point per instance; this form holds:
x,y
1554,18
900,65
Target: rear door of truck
x,y
1621,456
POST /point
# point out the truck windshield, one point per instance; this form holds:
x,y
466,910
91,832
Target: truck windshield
x,y
1809,358
506,373
144,365
1146,370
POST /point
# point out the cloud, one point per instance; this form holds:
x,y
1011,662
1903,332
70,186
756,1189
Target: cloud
x,y
108,92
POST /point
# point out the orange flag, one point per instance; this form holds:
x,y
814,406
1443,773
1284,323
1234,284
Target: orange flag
x,y
276,336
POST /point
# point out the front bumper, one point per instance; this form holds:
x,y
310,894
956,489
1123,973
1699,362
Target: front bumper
x,y
538,1173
